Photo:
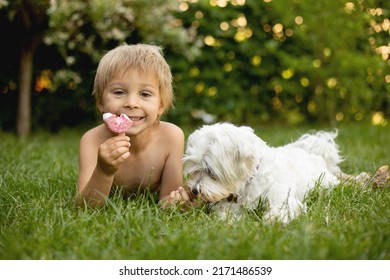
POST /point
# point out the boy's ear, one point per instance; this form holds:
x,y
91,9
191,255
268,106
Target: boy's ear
x,y
161,109
100,106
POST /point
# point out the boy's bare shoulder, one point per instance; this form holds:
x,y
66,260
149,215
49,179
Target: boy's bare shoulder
x,y
171,130
94,135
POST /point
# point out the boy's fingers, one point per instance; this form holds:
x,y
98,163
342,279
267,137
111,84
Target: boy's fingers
x,y
178,195
184,194
174,196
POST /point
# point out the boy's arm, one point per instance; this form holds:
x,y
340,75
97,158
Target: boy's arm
x,y
97,166
172,192
172,177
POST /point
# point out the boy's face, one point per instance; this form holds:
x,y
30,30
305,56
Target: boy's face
x,y
135,94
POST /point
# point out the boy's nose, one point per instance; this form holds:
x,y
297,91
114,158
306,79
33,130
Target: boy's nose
x,y
131,101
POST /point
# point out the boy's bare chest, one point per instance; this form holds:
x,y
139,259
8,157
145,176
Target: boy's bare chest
x,y
143,171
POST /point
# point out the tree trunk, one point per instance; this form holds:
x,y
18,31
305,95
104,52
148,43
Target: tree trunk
x,y
23,122
33,21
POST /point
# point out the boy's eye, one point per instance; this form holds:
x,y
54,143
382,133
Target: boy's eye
x,y
118,92
145,94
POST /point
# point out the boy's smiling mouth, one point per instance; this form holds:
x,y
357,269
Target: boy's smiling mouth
x,y
134,119
137,120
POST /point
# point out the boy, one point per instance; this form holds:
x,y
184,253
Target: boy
x,y
134,80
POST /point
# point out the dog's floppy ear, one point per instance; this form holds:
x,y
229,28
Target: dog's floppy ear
x,y
249,148
235,151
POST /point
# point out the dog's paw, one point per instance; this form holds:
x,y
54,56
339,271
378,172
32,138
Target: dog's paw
x,y
271,218
229,217
284,213
227,211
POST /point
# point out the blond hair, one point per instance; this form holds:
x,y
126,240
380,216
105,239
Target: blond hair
x,y
143,57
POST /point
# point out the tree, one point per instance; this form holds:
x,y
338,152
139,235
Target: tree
x,y
29,20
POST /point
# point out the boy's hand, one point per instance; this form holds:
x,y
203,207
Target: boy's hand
x,y
179,197
112,153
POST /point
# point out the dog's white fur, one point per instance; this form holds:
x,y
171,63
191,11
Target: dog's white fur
x,y
222,160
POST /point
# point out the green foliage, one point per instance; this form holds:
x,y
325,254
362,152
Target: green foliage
x,y
244,61
286,60
38,218
93,27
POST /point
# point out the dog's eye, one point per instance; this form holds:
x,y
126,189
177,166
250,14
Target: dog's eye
x,y
211,174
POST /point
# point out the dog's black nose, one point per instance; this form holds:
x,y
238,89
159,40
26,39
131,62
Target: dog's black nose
x,y
194,191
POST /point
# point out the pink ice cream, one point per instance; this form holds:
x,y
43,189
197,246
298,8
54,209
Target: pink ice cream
x,y
117,124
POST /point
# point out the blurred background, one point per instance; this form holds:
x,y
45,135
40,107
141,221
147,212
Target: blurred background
x,y
244,61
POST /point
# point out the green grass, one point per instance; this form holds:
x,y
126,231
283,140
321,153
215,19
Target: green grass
x,y
38,219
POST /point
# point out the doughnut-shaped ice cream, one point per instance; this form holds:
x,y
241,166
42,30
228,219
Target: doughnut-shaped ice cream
x,y
117,124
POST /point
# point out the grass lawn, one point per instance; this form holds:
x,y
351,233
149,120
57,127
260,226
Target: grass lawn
x,y
38,219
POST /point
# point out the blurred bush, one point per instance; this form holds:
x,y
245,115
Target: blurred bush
x,y
242,61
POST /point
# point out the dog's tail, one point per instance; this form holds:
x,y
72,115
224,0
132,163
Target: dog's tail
x,y
322,143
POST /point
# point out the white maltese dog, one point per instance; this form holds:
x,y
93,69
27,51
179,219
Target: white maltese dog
x,y
233,169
